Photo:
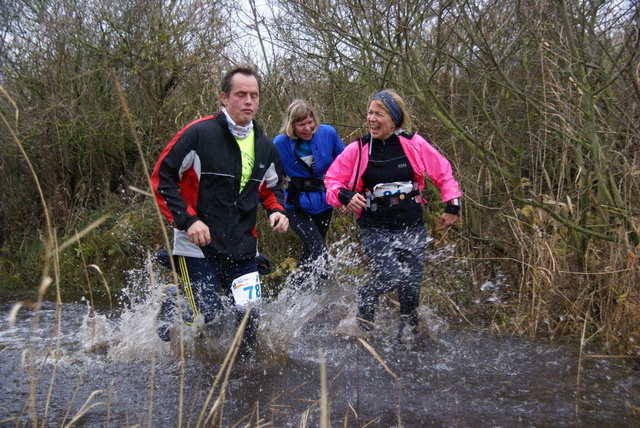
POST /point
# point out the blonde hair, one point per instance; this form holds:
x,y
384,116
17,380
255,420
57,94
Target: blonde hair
x,y
405,122
296,111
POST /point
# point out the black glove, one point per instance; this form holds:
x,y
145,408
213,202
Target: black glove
x,y
345,195
264,265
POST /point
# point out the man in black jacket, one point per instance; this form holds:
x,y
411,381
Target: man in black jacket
x,y
208,183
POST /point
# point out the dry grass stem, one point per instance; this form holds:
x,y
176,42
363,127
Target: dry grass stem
x,y
225,369
153,350
83,233
324,394
377,356
160,220
142,192
104,282
85,408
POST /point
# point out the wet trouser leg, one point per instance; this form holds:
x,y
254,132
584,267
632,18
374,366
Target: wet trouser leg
x,y
397,262
312,229
204,278
200,285
409,290
227,273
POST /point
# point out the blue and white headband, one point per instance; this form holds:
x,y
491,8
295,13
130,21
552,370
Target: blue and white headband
x,y
392,105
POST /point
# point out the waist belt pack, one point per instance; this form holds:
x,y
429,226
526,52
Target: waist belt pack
x,y
385,195
299,184
394,199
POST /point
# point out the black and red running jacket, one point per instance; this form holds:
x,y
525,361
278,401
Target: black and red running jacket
x,y
197,177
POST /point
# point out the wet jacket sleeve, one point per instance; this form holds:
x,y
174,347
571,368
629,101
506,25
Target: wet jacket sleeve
x,y
271,192
439,170
175,181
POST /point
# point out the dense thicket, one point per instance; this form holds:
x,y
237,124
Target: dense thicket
x,y
536,103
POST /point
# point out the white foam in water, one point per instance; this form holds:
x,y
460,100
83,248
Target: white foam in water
x,y
303,298
132,335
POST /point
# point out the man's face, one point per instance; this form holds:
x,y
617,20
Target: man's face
x,y
243,99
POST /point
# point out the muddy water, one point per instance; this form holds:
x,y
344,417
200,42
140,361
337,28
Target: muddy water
x,y
108,368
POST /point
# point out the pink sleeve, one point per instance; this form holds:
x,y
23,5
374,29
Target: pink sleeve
x,y
340,174
439,171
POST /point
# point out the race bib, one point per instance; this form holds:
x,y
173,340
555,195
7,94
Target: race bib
x,y
246,289
385,189
309,161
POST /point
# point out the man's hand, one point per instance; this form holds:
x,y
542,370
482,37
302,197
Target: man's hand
x,y
198,233
278,222
447,220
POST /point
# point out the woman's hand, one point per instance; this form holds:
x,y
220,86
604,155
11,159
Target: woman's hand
x,y
447,220
357,203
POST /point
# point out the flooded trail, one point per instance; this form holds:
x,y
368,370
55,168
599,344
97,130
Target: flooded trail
x,y
112,370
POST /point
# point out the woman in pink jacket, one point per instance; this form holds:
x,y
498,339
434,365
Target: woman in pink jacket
x,y
380,177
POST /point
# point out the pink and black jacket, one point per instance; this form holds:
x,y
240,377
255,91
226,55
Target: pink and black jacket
x,y
345,174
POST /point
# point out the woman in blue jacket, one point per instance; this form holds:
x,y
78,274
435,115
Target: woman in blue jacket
x,y
307,149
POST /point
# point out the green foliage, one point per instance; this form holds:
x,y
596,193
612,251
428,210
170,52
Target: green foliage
x,y
20,265
117,246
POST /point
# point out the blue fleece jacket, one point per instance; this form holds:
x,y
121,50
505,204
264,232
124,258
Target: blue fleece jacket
x,y
326,145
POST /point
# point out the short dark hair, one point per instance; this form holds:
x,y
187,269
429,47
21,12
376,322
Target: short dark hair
x,y
249,70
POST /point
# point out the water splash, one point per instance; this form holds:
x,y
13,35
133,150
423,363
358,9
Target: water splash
x,y
462,378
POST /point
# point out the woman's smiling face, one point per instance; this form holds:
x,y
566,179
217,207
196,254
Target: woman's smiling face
x,y
379,121
305,128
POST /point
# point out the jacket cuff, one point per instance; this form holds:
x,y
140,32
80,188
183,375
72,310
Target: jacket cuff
x,y
345,195
186,224
275,210
453,206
